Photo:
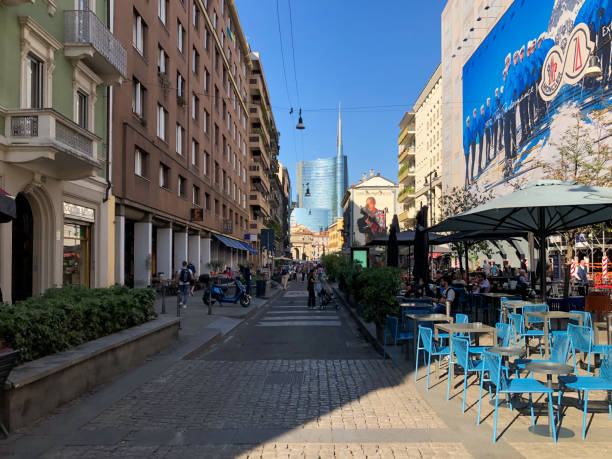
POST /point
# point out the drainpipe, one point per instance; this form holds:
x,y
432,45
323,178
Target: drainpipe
x,y
110,11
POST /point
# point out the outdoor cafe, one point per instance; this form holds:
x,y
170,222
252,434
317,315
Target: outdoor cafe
x,y
534,349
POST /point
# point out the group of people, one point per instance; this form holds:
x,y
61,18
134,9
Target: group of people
x,y
495,124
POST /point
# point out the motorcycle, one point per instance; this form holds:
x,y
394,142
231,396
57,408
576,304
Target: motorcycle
x,y
217,293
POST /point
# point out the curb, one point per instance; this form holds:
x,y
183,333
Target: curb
x,y
364,330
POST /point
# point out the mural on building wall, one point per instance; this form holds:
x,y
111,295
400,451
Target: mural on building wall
x,y
543,63
372,211
372,222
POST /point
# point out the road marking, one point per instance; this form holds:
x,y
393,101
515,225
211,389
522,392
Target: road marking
x,y
301,323
331,313
311,317
296,293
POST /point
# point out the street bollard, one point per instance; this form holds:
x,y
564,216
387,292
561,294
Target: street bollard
x,y
163,289
609,327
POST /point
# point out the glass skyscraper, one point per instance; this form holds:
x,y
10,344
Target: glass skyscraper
x,y
326,179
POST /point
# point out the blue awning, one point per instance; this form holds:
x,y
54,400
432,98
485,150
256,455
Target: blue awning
x,y
231,243
249,247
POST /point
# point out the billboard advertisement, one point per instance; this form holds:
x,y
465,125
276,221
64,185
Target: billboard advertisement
x,y
543,64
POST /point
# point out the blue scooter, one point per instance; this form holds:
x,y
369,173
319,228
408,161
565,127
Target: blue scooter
x,y
217,293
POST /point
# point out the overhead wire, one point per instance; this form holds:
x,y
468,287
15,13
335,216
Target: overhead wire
x,y
297,91
280,37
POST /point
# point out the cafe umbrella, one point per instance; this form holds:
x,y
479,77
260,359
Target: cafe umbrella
x,y
8,208
543,207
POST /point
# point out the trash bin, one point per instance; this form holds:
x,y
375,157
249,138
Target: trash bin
x,y
260,288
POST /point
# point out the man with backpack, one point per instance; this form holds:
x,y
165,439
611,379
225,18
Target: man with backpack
x,y
285,276
191,267
184,278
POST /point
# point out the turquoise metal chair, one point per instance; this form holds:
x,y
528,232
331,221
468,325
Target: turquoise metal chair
x,y
587,321
426,343
582,341
492,365
523,334
392,329
559,353
461,350
590,383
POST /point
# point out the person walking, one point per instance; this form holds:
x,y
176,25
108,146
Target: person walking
x,y
183,278
312,281
284,276
192,268
581,273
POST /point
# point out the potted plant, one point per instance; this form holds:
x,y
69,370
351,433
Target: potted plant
x,y
215,266
378,295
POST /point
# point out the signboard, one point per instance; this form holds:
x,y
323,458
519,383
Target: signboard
x,y
197,215
267,239
228,226
78,212
360,255
544,64
372,211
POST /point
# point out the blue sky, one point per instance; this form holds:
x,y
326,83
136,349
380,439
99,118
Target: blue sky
x,y
357,52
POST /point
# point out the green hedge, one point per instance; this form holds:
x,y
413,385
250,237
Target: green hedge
x,y
69,316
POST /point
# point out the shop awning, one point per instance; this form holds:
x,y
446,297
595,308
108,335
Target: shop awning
x,y
249,247
231,243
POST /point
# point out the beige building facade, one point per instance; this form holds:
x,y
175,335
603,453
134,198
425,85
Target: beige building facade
x,y
428,147
406,170
336,237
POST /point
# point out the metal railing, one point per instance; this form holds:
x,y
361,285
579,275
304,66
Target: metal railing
x,y
86,27
74,139
24,126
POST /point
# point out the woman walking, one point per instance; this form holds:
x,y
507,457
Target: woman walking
x,y
312,281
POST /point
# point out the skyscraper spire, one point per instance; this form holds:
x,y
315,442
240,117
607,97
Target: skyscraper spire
x,y
339,141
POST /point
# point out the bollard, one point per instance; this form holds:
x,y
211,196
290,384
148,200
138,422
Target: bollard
x,y
609,327
163,289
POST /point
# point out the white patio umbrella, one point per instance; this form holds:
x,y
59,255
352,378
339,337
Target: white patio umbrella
x,y
544,207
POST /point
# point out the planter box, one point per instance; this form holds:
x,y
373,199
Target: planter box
x,y
36,388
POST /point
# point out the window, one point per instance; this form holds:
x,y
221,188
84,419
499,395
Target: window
x,y
164,176
196,195
229,153
205,114
34,82
162,122
138,98
228,183
205,4
182,185
138,33
234,191
82,108
195,156
216,171
216,135
179,139
180,82
224,144
216,98
162,61
206,38
180,37
234,161
195,61
215,20
162,9
244,174
223,179
222,7
216,207
206,78
140,163
195,16
206,163
207,201
222,38
217,58
228,121
195,106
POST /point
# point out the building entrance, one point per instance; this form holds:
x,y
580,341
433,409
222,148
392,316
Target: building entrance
x,y
23,252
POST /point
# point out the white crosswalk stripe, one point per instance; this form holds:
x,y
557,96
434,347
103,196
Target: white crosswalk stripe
x,y
301,323
291,315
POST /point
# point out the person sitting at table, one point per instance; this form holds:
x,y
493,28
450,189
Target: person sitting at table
x,y
448,294
494,270
484,286
522,284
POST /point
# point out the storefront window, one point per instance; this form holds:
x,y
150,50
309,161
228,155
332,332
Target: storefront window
x,y
77,243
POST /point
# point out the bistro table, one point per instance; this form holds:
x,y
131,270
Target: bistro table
x,y
475,327
513,305
493,299
549,369
547,315
597,328
416,318
506,352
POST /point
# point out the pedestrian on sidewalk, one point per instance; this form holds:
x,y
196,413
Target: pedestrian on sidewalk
x,y
284,276
312,281
183,278
247,278
191,267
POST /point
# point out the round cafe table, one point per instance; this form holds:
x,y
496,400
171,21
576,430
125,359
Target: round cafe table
x,y
549,369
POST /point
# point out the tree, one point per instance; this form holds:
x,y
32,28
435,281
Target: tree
x,y
456,201
584,156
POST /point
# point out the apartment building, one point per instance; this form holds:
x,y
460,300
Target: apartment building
x,y
263,186
180,138
59,62
406,171
336,238
428,170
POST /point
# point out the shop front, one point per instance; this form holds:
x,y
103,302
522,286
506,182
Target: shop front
x,y
78,230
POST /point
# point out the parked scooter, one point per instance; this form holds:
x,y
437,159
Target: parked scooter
x,y
217,293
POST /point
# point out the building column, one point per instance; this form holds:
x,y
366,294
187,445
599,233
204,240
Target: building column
x,y
6,267
180,250
120,249
205,251
164,252
194,250
143,247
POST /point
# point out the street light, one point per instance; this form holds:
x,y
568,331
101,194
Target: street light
x,y
307,189
300,124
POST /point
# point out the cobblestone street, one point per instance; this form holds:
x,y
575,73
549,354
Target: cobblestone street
x,y
247,397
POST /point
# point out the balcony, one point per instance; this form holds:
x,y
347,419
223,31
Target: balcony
x,y
258,175
406,176
49,143
87,38
405,153
257,198
405,194
410,129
